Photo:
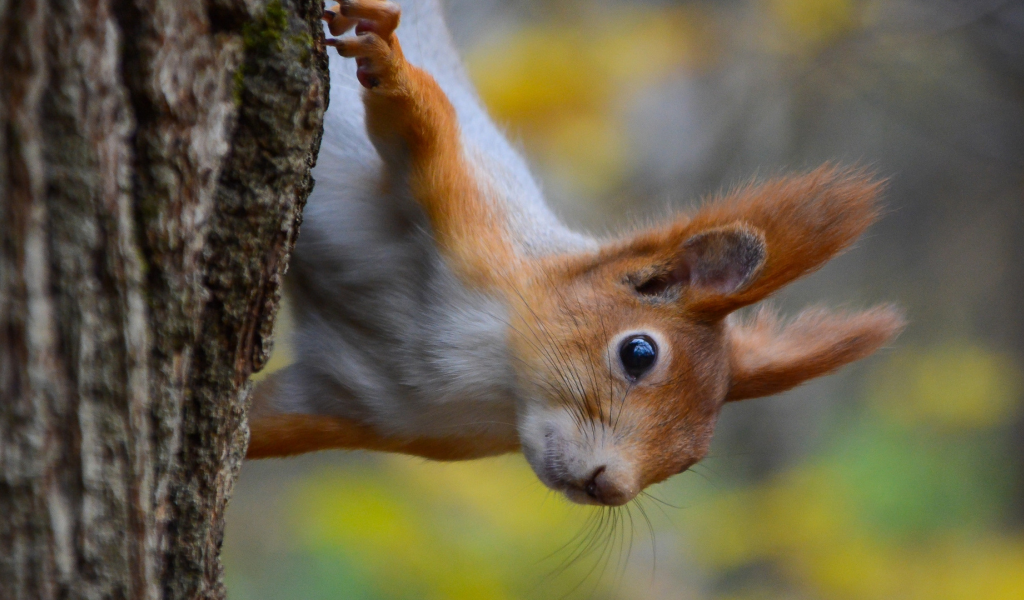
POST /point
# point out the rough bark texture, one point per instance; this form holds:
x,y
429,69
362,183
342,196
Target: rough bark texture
x,y
154,160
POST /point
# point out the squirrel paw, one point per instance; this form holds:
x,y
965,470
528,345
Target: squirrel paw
x,y
338,23
374,46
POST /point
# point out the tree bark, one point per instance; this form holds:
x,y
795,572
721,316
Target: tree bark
x,y
154,161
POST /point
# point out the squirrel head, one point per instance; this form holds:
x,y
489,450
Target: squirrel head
x,y
626,356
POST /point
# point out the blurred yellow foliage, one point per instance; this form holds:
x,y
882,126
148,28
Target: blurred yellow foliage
x,y
562,88
804,523
389,538
428,530
815,22
906,506
588,149
544,71
954,386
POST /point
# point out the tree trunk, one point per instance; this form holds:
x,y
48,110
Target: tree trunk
x,y
154,161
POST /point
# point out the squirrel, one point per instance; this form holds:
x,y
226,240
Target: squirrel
x,y
443,311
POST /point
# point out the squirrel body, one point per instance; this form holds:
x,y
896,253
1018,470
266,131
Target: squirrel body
x,y
442,310
385,330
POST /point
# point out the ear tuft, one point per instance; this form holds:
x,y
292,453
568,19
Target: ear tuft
x,y
738,249
768,357
724,260
805,221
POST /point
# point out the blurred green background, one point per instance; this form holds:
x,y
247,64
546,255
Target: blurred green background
x,y
900,478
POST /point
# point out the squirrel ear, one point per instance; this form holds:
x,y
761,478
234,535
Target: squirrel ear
x,y
713,263
722,261
767,357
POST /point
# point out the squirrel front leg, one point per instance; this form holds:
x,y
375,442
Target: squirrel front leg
x,y
416,131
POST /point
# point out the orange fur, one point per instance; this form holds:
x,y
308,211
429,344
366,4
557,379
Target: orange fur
x,y
409,114
291,434
278,435
767,357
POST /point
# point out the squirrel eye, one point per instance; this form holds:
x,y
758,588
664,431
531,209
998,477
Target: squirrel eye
x,y
638,354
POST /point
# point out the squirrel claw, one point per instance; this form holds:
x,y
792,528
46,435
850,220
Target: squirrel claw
x,y
336,21
379,16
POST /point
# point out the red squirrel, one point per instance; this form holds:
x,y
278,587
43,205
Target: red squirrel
x,y
443,311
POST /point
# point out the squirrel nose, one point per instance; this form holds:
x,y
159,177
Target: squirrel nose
x,y
601,486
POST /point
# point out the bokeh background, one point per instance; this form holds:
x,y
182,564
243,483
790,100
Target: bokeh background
x,y
900,478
